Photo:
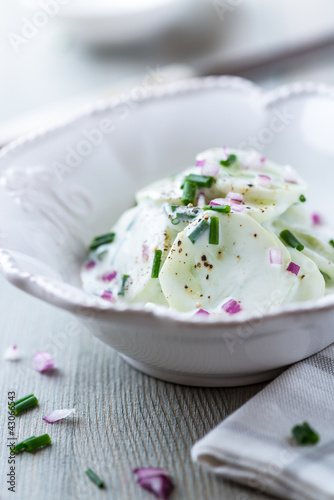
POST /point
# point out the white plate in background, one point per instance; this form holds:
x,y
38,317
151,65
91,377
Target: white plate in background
x,y
117,21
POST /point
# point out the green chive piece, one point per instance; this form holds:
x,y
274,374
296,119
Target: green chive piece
x,y
23,399
189,193
331,242
37,442
102,240
11,406
200,180
198,231
173,207
19,447
22,445
229,161
214,231
302,198
156,264
304,434
33,443
291,240
25,403
95,478
125,278
224,209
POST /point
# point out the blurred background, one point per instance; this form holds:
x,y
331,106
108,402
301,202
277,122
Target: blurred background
x,y
57,56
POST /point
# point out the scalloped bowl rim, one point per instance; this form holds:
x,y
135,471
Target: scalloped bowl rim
x,y
59,295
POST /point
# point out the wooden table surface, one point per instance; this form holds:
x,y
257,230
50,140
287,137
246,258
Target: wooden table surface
x,y
124,419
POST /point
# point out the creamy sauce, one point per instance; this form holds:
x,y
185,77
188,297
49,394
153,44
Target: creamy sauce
x,y
204,257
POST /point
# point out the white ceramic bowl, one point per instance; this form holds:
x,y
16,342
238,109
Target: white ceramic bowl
x,y
47,219
106,22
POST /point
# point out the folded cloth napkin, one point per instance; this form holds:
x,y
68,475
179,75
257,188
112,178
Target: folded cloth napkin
x,y
254,445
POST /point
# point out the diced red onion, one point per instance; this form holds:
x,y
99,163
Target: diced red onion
x,y
43,361
237,208
235,197
263,159
144,472
145,253
202,312
263,180
201,200
90,265
232,307
293,268
289,175
316,219
12,353
210,170
275,256
219,201
155,481
225,153
57,415
200,163
109,276
107,295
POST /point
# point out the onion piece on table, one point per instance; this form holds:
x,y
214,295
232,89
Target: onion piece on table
x,y
57,415
12,353
43,362
155,480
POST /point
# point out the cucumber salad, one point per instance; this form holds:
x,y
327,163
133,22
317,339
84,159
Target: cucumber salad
x,y
230,234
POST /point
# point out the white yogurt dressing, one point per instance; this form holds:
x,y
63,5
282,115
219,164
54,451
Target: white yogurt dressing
x,y
238,268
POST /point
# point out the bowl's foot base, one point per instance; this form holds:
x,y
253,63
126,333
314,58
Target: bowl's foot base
x,y
200,380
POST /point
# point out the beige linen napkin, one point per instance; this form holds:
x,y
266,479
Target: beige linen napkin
x,y
254,446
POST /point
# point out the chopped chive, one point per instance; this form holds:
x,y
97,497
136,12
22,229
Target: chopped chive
x,y
22,445
173,207
224,209
156,264
23,399
37,442
189,213
25,403
302,198
95,478
20,400
102,240
291,240
304,434
229,161
198,231
189,193
214,231
33,443
125,278
200,180
331,242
